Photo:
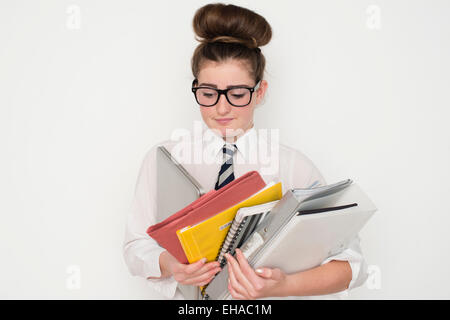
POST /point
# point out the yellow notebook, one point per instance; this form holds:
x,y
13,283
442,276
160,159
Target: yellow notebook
x,y
204,239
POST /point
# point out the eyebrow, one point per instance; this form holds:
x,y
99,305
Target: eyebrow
x,y
228,87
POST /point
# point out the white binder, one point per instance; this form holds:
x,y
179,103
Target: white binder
x,y
303,229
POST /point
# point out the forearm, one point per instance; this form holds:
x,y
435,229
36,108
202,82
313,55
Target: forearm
x,y
332,277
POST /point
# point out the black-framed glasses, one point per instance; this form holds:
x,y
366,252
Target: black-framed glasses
x,y
236,96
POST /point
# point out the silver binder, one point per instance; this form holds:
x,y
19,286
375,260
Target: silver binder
x,y
172,178
318,223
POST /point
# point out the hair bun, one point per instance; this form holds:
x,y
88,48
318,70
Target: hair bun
x,y
231,24
252,43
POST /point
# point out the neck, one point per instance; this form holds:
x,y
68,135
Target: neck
x,y
233,139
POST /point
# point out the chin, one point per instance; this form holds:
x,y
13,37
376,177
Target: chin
x,y
230,130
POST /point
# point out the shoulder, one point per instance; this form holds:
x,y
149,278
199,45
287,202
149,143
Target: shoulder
x,y
302,169
169,144
150,154
181,149
294,155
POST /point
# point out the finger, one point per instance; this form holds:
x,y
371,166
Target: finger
x,y
233,283
273,274
186,272
264,273
201,278
193,267
240,277
247,270
204,283
199,268
213,267
256,281
235,294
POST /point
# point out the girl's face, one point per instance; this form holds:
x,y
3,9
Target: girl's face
x,y
230,121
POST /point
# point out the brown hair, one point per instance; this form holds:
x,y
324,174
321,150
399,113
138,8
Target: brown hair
x,y
230,32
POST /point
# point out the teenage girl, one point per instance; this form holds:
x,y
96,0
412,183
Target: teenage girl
x,y
228,70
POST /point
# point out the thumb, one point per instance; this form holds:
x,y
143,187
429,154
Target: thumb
x,y
268,273
264,272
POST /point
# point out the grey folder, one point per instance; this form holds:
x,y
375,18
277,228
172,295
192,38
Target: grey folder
x,y
315,223
176,189
173,179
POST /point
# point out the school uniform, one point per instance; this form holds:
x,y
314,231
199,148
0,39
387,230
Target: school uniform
x,y
201,154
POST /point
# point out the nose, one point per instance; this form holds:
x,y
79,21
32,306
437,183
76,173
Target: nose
x,y
223,106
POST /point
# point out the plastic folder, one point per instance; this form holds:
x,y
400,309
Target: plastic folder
x,y
204,239
206,206
303,229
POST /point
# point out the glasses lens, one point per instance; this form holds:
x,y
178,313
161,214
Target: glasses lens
x,y
206,96
239,96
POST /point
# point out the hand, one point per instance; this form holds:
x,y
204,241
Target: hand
x,y
198,273
246,283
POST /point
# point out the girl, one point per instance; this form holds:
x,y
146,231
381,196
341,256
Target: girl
x,y
228,68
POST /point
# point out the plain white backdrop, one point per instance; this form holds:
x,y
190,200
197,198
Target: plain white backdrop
x,y
87,87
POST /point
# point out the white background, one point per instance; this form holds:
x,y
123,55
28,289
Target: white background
x,y
87,87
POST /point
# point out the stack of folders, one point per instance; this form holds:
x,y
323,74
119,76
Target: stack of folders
x,y
206,238
317,223
186,233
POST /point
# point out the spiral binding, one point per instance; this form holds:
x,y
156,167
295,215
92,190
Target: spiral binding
x,y
230,239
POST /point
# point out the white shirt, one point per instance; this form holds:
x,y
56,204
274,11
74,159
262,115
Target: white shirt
x,y
200,153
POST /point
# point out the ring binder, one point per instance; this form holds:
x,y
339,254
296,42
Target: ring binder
x,y
317,222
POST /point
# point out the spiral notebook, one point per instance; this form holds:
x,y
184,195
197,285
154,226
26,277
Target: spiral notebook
x,y
245,222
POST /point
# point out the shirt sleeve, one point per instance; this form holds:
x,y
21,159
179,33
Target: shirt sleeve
x,y
141,252
305,174
353,255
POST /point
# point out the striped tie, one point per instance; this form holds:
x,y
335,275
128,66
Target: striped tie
x,y
226,174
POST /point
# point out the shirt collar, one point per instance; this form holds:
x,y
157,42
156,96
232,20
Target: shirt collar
x,y
245,143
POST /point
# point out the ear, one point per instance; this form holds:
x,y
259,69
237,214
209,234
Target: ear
x,y
260,93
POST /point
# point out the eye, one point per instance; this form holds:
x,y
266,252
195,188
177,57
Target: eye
x,y
207,93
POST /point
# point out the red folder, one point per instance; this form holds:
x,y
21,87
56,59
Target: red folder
x,y
208,205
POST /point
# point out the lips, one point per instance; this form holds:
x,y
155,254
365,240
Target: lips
x,y
224,121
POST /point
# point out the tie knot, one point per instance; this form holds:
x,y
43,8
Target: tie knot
x,y
229,148
228,152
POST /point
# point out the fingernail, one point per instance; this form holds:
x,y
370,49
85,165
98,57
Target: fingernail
x,y
204,260
259,270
